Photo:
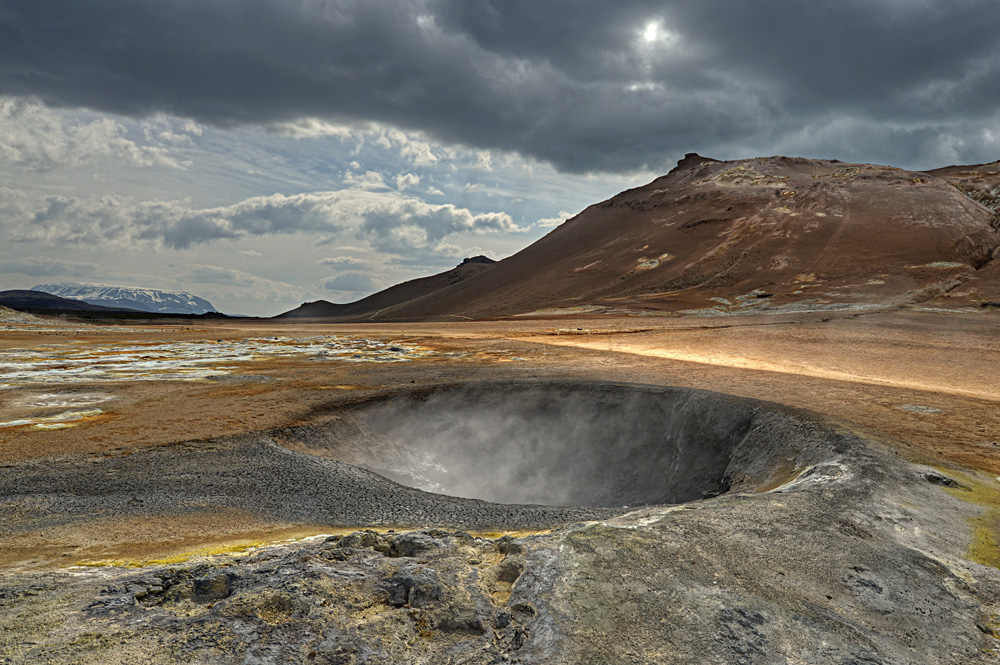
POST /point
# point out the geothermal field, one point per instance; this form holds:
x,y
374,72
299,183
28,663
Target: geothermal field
x,y
748,413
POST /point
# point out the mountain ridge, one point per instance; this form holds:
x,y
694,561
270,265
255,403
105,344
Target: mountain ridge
x,y
40,301
407,291
160,301
718,237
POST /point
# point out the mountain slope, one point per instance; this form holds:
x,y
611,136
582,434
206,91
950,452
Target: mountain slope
x,y
775,233
980,182
790,233
144,300
8,315
37,301
394,295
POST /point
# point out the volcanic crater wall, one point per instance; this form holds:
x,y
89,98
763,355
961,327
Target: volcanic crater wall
x,y
594,445
491,455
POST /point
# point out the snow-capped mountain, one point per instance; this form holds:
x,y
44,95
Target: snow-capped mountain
x,y
146,300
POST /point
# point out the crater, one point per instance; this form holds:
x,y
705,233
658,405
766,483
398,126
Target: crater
x,y
581,444
487,456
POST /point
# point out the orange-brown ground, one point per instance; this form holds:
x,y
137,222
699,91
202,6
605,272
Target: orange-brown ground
x,y
925,382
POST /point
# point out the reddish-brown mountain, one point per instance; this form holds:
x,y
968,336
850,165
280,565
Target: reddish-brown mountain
x,y
771,233
374,304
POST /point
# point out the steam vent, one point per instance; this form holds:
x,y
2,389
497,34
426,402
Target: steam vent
x,y
473,456
570,444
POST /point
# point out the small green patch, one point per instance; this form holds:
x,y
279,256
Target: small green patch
x,y
983,548
181,557
985,545
783,473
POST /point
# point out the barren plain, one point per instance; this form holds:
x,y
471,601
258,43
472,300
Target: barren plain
x,y
919,386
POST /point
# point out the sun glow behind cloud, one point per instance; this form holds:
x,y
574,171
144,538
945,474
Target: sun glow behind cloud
x,y
655,34
651,32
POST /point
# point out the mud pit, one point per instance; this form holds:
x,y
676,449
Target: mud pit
x,y
511,455
598,446
569,444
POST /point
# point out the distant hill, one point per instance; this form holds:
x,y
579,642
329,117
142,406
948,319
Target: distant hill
x,y
770,233
37,301
410,291
8,315
143,300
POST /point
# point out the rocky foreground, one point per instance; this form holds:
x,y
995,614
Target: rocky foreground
x,y
862,585
828,549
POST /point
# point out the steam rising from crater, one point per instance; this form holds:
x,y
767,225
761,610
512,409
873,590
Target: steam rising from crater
x,y
580,445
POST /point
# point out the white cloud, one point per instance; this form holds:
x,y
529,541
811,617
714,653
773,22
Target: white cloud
x,y
484,160
222,211
352,282
163,129
167,136
192,127
311,128
389,221
550,222
454,251
342,261
37,138
406,181
368,180
251,286
415,151
413,147
410,223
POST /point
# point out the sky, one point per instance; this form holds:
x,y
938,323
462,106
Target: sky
x,y
264,153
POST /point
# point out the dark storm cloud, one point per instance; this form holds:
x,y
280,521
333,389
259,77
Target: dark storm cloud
x,y
574,82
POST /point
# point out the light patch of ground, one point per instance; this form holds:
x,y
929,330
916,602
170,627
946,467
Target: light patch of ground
x,y
941,265
982,385
55,421
919,408
122,541
86,363
589,265
8,315
745,174
62,399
